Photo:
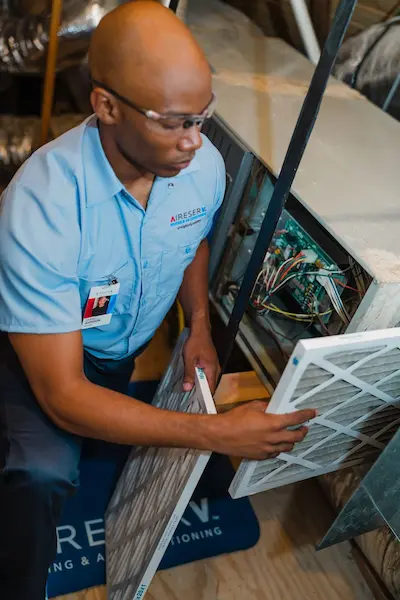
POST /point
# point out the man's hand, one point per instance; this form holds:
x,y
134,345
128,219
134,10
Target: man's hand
x,y
75,404
249,432
199,352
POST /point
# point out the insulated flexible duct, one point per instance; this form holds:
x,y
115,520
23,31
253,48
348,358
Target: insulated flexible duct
x,y
23,39
19,137
370,62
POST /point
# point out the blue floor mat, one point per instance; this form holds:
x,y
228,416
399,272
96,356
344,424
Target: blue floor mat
x,y
212,524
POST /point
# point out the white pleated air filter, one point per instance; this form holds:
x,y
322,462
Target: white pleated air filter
x,y
153,491
353,381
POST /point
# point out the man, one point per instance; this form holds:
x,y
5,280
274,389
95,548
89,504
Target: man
x,y
119,207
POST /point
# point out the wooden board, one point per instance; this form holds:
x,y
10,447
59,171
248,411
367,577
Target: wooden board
x,y
152,364
367,13
282,566
237,388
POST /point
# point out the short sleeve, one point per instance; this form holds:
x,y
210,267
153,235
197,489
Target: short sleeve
x,y
220,184
39,251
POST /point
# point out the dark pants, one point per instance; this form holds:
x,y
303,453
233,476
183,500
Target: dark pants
x,y
39,469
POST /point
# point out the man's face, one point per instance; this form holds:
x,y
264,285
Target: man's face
x,y
157,147
102,301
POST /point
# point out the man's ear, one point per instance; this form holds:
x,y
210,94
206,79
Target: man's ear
x,y
105,106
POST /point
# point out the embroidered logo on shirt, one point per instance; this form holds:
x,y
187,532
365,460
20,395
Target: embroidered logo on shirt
x,y
186,219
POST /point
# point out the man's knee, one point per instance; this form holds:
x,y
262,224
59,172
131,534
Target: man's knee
x,y
43,479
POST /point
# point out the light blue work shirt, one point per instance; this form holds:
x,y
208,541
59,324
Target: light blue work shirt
x,y
67,224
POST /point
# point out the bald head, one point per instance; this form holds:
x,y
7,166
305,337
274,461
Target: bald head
x,y
144,58
142,50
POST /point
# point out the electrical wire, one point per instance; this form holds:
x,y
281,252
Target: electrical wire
x,y
281,277
286,337
336,300
358,276
300,316
273,334
347,287
290,315
257,280
270,280
305,274
395,86
281,267
321,322
291,267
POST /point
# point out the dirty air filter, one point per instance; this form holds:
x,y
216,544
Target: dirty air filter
x,y
153,492
354,383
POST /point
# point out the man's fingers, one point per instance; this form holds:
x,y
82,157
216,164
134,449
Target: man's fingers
x,y
259,405
297,418
188,384
272,455
285,435
211,374
278,448
188,379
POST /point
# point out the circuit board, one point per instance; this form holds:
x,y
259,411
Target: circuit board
x,y
288,241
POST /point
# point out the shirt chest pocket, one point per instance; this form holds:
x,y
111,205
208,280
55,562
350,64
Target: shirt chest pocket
x,y
123,275
174,262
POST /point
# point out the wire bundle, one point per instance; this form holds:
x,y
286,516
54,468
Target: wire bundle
x,y
270,280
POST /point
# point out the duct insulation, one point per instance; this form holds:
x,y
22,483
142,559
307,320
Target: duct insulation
x,y
24,35
370,63
24,27
19,136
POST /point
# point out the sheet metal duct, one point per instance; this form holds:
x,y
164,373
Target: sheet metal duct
x,y
23,39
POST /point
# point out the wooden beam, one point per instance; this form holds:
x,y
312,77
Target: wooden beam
x,y
50,75
320,11
237,388
392,12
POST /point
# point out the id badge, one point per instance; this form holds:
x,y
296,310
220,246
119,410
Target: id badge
x,y
100,305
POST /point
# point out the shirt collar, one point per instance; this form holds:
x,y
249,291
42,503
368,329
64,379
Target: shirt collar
x,y
100,180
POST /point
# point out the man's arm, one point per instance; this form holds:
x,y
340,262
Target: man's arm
x,y
54,367
193,295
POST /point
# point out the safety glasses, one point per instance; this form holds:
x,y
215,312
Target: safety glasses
x,y
167,122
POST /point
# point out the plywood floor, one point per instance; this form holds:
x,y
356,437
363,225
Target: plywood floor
x,y
282,566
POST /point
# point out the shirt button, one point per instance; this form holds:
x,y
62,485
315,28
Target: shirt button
x,y
145,264
187,250
170,185
144,302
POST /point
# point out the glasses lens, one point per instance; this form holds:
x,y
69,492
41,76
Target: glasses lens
x,y
165,126
198,122
171,124
174,125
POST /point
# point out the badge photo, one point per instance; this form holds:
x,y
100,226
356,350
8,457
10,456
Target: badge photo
x,y
100,305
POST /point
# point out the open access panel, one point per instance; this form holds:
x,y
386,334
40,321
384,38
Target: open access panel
x,y
333,265
309,284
